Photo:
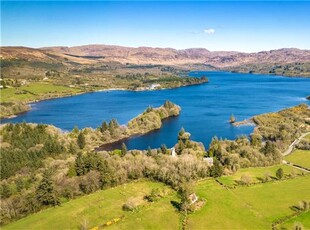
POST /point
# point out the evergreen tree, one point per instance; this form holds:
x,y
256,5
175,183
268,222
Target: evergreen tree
x,y
180,147
123,150
5,190
168,104
217,168
80,165
113,123
181,133
164,149
149,151
81,140
45,192
232,119
75,130
104,126
149,109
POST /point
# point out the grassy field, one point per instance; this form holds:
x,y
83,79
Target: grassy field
x,y
303,219
273,200
223,210
256,206
101,207
256,173
35,91
299,157
159,215
248,207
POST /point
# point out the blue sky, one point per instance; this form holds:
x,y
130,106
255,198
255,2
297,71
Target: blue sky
x,y
241,26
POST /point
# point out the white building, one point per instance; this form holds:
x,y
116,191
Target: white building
x,y
209,160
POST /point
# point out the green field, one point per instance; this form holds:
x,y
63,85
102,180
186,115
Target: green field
x,y
299,157
35,91
251,207
159,215
101,207
256,206
223,210
256,173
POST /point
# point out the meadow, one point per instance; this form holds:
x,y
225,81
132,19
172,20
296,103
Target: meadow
x,y
299,157
36,91
256,206
247,207
98,209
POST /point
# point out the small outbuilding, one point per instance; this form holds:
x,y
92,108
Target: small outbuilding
x,y
193,198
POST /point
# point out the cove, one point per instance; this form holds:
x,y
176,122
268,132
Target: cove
x,y
205,112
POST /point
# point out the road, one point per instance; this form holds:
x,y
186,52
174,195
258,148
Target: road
x,y
291,147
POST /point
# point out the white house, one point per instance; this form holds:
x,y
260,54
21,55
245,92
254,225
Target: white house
x,y
154,86
209,160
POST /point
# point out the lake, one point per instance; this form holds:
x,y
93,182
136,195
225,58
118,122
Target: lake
x,y
205,112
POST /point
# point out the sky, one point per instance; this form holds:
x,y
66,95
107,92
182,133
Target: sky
x,y
217,26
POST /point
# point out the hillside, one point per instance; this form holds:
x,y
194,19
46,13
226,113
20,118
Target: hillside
x,y
149,55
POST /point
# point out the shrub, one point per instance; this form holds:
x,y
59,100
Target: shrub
x,y
246,179
279,173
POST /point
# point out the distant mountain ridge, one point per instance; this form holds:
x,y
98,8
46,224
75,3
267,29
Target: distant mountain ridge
x,y
148,55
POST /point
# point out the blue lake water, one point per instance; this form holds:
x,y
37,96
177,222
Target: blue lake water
x,y
205,108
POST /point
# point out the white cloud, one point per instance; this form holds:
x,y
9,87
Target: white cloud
x,y
209,31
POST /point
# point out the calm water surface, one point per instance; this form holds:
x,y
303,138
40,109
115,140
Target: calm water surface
x,y
205,108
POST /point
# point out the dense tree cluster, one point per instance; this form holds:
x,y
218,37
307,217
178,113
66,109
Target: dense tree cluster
x,y
242,153
283,127
25,145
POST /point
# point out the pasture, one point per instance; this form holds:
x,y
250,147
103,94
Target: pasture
x,y
299,157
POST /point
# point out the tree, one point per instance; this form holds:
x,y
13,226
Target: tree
x,y
168,104
217,168
164,149
181,133
149,109
75,130
149,151
124,149
280,173
179,147
269,149
81,140
45,192
256,140
114,123
184,193
5,190
80,164
232,118
104,126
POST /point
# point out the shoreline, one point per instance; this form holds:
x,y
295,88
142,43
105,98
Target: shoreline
x,y
91,91
247,122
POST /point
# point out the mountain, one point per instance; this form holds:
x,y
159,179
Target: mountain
x,y
146,55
